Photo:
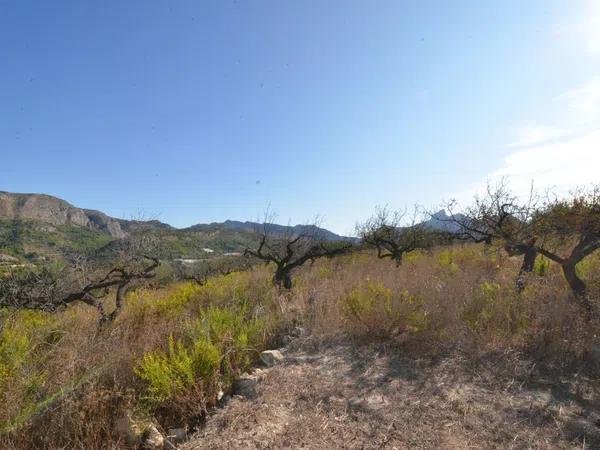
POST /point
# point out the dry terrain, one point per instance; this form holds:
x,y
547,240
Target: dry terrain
x,y
345,396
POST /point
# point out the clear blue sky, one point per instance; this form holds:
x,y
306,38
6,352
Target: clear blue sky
x,y
198,111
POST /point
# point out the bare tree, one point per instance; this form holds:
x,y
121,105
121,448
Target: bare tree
x,y
564,230
501,216
291,248
202,271
572,233
53,290
385,231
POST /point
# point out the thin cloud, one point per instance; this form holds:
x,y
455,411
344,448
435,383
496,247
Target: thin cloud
x,y
557,158
562,165
590,27
538,134
584,32
583,101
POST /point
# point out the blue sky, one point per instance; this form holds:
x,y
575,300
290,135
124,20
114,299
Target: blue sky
x,y
194,112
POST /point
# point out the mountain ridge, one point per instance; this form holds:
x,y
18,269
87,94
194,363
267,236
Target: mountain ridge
x,y
41,226
57,211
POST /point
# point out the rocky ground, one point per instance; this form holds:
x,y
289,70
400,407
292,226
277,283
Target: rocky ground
x,y
344,396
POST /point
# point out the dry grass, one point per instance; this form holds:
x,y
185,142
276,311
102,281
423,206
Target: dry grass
x,y
375,397
65,382
459,297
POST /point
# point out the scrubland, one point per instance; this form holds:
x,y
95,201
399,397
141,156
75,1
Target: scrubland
x,y
174,350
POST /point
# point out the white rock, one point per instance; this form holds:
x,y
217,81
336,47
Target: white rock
x,y
154,440
271,357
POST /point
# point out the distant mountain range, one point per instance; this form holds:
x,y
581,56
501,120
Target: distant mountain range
x,y
39,226
36,226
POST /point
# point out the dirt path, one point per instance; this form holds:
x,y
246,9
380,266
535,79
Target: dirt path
x,y
347,397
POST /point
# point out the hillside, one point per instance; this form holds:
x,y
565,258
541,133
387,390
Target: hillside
x,y
55,211
39,226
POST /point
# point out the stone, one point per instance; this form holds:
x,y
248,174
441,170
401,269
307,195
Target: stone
x,y
245,385
271,357
153,439
139,432
177,435
130,429
298,332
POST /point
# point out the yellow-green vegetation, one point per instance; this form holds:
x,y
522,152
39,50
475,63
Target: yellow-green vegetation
x,y
225,339
173,372
378,311
182,343
64,381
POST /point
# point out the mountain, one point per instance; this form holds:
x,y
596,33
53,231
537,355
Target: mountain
x,y
440,221
250,227
55,211
39,226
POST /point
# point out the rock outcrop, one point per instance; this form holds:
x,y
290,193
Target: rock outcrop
x,y
54,211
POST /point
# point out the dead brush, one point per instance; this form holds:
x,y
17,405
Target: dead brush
x,y
463,296
64,381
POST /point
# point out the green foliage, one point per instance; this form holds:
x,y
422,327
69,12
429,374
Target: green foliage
x,y
172,372
22,337
219,338
29,237
324,272
378,311
14,348
21,332
541,266
496,309
589,266
445,261
234,332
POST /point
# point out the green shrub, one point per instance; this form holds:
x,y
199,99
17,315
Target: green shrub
x,y
497,310
236,334
445,262
221,338
379,312
172,372
541,266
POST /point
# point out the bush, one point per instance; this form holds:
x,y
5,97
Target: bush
x,y
379,312
223,339
170,373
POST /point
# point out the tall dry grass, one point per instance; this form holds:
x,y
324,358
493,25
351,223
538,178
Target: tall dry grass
x,y
458,297
64,382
